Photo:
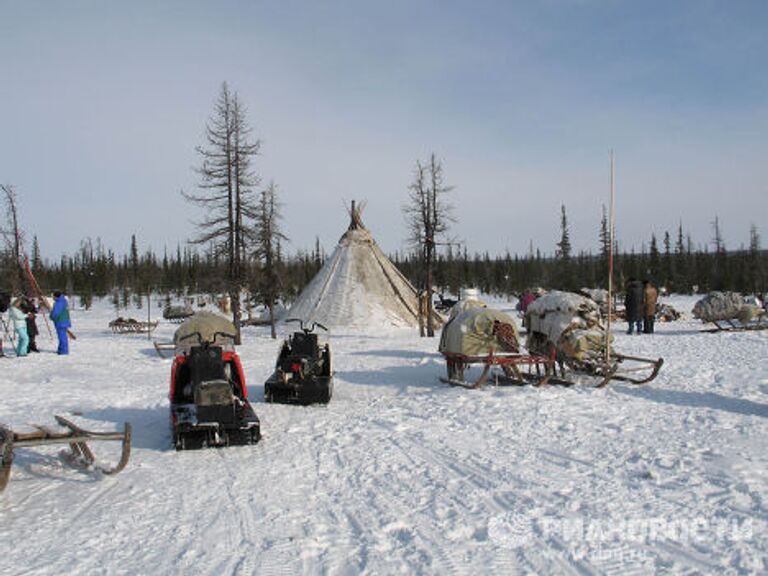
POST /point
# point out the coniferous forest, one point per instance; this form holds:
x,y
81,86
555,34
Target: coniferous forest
x,y
126,277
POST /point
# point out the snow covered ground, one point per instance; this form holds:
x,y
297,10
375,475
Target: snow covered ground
x,y
400,473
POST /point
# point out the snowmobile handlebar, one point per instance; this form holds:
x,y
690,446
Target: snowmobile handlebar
x,y
200,336
311,328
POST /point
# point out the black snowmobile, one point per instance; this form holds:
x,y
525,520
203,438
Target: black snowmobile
x,y
303,373
208,395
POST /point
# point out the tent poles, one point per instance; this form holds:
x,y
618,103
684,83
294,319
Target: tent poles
x,y
610,265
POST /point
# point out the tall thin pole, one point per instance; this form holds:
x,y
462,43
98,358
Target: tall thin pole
x,y
149,314
610,263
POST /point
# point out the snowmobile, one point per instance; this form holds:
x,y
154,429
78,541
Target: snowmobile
x,y
208,396
303,372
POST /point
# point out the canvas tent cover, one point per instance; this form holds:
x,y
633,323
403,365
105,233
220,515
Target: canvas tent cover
x,y
358,286
470,332
213,328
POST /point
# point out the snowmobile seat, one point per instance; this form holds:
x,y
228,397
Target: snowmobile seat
x,y
305,345
205,364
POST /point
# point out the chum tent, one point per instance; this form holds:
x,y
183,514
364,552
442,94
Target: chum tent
x,y
358,286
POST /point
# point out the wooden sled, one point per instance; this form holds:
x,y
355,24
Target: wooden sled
x,y
131,326
510,364
76,437
622,368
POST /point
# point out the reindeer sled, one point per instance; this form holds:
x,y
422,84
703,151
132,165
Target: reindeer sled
x,y
728,312
122,325
487,338
76,437
568,328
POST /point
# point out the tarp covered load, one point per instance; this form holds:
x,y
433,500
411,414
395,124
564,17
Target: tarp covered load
x,y
718,306
471,333
599,295
583,344
178,312
667,313
463,305
569,321
555,312
210,327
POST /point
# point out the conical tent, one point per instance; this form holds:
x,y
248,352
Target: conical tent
x,y
358,286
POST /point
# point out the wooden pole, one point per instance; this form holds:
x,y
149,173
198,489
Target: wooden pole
x,y
610,264
149,314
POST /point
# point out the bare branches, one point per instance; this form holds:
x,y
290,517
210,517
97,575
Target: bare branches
x,y
268,239
428,215
226,189
12,233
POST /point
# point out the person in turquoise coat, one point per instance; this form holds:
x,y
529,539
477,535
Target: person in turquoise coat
x,y
19,319
60,317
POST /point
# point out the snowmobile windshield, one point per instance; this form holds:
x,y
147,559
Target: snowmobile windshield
x,y
205,327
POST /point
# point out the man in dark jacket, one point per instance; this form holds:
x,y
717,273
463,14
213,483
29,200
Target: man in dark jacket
x,y
29,308
633,305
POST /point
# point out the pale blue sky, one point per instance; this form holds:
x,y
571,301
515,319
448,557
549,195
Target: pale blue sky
x,y
102,104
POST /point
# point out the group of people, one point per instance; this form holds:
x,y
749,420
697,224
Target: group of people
x,y
640,306
22,312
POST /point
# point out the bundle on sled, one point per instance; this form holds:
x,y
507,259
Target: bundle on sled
x,y
571,326
208,396
729,311
122,325
667,313
486,337
76,437
303,372
178,313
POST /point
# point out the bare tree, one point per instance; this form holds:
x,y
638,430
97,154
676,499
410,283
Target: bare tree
x,y
13,235
428,215
227,191
268,238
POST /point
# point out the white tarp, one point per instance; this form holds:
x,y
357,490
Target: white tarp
x,y
555,312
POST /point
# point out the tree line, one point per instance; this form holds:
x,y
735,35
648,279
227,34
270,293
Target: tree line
x,y
95,271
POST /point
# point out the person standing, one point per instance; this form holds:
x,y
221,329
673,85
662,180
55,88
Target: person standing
x,y
19,319
60,317
633,305
5,301
31,311
651,297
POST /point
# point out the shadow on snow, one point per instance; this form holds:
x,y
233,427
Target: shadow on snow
x,y
698,400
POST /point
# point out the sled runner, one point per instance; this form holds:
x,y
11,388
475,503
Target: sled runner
x,y
515,369
303,372
208,395
75,436
736,325
571,325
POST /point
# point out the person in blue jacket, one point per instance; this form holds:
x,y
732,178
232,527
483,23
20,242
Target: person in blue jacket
x,y
60,317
